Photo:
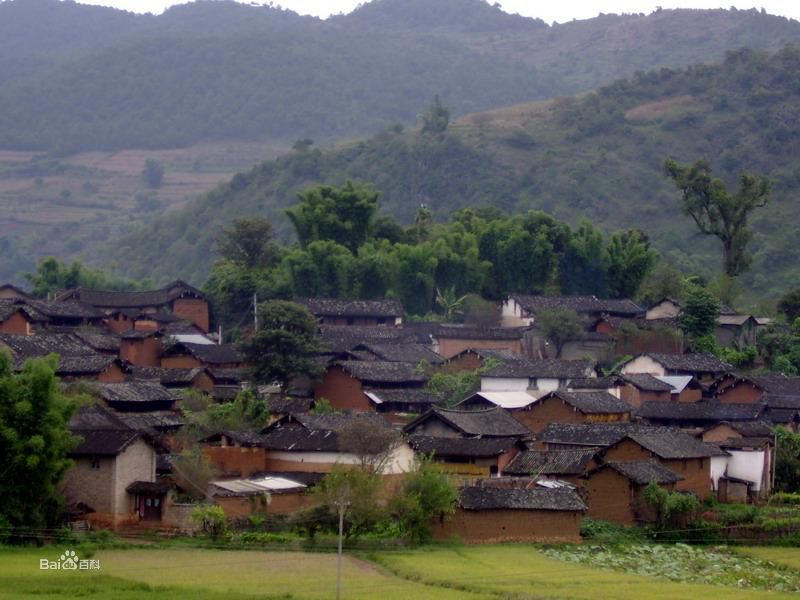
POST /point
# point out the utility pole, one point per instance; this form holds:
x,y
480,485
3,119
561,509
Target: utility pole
x,y
342,506
255,312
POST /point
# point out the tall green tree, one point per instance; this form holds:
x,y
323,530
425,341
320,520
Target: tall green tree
x,y
339,214
153,173
34,442
789,305
248,242
559,325
436,119
285,345
718,212
699,313
629,260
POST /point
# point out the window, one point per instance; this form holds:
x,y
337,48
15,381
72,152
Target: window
x,y
95,464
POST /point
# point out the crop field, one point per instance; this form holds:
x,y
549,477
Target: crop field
x,y
502,571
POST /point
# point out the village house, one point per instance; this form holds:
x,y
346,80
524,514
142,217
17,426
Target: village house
x,y
186,355
614,490
520,310
705,367
666,308
345,383
198,378
642,387
543,375
178,298
736,330
746,471
568,465
316,443
488,514
449,340
141,348
394,352
675,449
273,494
473,359
755,388
331,311
136,396
468,442
572,407
77,360
17,317
9,291
698,414
68,315
113,471
236,453
100,341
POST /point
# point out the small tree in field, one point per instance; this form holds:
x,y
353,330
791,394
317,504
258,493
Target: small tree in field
x,y
153,173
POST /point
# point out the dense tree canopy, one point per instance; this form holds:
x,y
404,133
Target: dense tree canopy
x,y
34,441
479,252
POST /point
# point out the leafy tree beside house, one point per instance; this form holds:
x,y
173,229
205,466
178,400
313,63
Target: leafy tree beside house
x,y
285,345
34,442
153,173
559,325
698,318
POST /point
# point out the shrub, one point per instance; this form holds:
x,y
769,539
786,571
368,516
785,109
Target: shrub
x,y
786,498
737,514
211,520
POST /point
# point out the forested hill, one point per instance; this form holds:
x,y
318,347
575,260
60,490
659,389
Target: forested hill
x,y
599,157
79,77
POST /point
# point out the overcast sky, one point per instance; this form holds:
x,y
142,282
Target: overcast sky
x,y
560,11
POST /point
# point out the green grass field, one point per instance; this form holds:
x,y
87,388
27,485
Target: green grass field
x,y
787,557
438,573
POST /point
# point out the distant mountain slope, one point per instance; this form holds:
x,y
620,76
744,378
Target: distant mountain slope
x,y
79,77
599,157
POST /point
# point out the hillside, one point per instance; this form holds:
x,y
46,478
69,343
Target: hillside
x,y
82,77
598,156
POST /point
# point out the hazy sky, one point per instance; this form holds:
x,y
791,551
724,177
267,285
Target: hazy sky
x,y
560,11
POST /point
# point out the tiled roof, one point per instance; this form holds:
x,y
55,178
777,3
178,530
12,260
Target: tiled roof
x,y
778,401
9,306
242,438
90,364
665,442
779,385
499,498
102,342
492,422
289,405
152,420
295,437
595,383
30,346
100,432
325,307
401,352
580,304
704,410
643,472
167,377
468,447
114,299
751,428
551,462
339,338
66,309
467,332
747,442
543,368
403,396
781,415
594,402
134,391
227,375
691,363
647,383
380,371
209,354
